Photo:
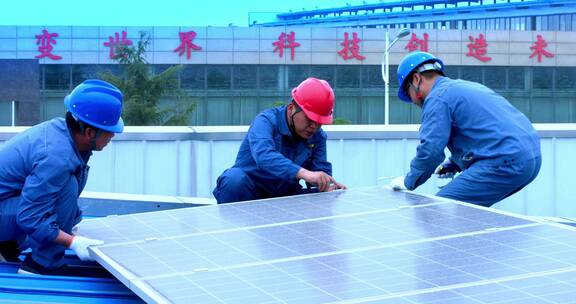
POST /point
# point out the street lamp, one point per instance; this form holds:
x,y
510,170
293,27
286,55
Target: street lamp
x,y
386,69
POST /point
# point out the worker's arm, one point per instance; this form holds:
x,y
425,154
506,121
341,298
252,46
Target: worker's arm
x,y
265,153
434,136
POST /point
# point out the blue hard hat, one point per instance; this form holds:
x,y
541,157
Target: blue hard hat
x,y
413,61
97,103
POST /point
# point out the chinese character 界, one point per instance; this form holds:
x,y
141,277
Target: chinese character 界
x,y
286,42
477,48
114,42
45,47
415,43
539,49
186,44
350,46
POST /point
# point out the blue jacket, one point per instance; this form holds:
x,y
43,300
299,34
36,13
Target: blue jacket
x,y
476,124
35,165
271,156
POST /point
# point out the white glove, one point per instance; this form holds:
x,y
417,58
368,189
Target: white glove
x,y
398,184
80,246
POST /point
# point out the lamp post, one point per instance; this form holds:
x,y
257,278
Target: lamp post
x,y
386,69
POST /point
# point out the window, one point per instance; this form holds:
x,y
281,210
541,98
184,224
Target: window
x,y
542,78
218,77
57,77
348,77
269,77
245,77
193,77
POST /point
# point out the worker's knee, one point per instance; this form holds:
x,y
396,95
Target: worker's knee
x,y
232,180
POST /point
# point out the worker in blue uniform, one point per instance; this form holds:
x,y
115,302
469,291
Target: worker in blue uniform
x,y
492,144
43,171
283,146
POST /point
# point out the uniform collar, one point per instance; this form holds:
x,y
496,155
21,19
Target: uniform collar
x,y
283,123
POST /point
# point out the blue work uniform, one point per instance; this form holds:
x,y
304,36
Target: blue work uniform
x,y
41,176
269,159
494,144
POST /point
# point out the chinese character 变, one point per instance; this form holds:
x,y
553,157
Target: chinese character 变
x,y
45,47
186,44
477,48
114,42
539,49
415,43
350,46
286,42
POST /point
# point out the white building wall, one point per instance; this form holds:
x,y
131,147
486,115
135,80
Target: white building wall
x,y
185,161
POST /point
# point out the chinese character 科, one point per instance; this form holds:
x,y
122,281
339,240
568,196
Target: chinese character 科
x,y
539,49
286,42
114,42
477,48
415,43
186,44
45,47
350,46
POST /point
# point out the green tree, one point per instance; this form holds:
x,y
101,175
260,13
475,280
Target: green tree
x,y
143,90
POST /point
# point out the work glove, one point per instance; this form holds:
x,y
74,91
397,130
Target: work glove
x,y
447,169
80,246
397,184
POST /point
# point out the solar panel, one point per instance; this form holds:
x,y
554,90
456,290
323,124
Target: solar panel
x,y
360,245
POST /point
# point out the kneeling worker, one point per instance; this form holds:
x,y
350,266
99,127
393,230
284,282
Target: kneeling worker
x,y
43,171
282,146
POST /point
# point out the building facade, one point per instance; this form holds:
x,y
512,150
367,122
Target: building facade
x,y
232,73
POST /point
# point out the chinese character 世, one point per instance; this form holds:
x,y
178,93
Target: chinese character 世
x,y
350,46
286,42
186,44
415,43
539,49
45,47
478,48
114,42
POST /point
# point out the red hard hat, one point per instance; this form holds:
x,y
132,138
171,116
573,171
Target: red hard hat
x,y
316,98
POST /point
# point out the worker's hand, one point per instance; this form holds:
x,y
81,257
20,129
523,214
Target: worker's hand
x,y
320,179
447,169
80,246
397,184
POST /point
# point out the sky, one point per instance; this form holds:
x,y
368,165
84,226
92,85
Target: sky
x,y
150,12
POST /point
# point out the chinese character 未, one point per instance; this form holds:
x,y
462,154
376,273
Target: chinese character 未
x,y
539,49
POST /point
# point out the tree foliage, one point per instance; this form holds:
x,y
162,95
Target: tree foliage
x,y
143,90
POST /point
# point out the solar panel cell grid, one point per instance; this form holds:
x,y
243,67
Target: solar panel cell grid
x,y
354,246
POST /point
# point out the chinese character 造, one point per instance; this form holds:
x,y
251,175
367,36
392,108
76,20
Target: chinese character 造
x,y
45,47
415,43
350,46
114,42
186,44
286,42
477,48
539,49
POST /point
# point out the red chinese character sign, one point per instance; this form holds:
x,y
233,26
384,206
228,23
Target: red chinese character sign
x,y
286,42
115,42
351,49
539,49
477,48
186,44
44,42
417,44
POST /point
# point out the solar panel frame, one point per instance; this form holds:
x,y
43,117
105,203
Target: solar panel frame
x,y
228,242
